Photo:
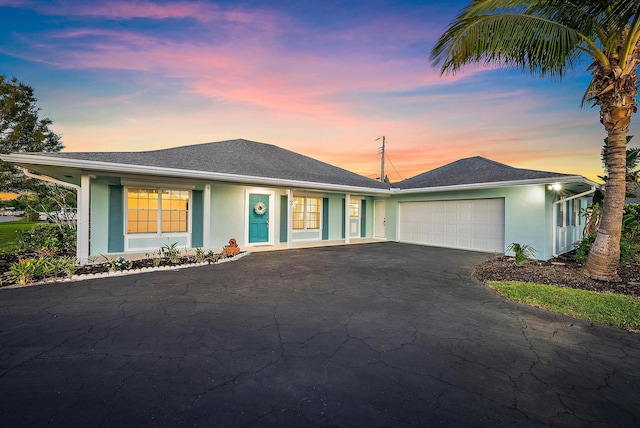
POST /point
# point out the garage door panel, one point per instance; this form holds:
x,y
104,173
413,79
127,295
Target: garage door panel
x,y
476,224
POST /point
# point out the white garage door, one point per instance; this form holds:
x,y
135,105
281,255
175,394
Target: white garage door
x,y
474,224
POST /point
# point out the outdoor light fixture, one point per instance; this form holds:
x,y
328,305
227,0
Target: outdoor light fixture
x,y
555,187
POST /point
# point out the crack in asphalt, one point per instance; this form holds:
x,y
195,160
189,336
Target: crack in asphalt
x,y
317,338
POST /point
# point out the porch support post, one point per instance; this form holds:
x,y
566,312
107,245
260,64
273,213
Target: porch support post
x,y
289,218
347,219
83,202
206,217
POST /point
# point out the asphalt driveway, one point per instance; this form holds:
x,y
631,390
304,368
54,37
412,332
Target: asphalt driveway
x,y
366,335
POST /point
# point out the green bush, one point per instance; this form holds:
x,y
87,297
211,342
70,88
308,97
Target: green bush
x,y
26,271
522,252
627,253
47,238
583,247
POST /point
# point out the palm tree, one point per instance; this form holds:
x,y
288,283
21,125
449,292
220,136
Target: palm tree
x,y
548,38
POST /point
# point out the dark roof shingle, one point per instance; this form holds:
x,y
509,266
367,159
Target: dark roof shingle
x,y
473,170
241,157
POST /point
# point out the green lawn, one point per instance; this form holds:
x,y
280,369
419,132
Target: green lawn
x,y
607,308
8,236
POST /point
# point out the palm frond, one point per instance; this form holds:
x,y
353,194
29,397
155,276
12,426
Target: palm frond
x,y
616,13
523,41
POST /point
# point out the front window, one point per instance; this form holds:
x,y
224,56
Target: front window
x,y
157,210
306,213
354,209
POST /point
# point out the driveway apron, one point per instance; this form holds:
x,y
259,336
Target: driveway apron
x,y
380,334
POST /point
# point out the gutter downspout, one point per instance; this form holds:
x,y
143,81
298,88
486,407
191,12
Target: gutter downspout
x,y
82,258
554,217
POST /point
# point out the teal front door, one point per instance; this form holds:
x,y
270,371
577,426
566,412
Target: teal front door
x,y
258,218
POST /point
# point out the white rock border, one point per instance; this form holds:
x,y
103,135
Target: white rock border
x,y
126,272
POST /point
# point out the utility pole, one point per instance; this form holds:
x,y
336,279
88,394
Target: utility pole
x,y
381,152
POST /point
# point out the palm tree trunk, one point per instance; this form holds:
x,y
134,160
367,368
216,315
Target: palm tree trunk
x,y
604,256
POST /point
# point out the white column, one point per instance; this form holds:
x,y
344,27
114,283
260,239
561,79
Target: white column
x,y
83,201
206,217
289,218
347,218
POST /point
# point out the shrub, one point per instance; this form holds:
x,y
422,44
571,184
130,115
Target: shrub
x,y
627,253
584,246
118,263
65,265
47,239
171,252
212,256
201,255
522,252
26,271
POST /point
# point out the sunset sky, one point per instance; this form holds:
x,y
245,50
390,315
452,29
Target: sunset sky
x,y
322,78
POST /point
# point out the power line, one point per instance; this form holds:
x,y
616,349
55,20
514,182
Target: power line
x,y
394,167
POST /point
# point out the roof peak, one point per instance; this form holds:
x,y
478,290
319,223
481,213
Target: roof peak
x,y
475,169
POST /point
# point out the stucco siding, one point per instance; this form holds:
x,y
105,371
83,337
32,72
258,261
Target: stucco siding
x,y
526,220
99,220
336,214
227,214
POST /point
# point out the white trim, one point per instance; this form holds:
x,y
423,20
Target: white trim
x,y
96,166
492,185
206,217
384,228
289,218
358,218
347,219
270,213
165,184
31,159
554,218
50,180
305,197
159,234
83,202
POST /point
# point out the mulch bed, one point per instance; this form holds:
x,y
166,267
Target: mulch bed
x,y
6,260
563,271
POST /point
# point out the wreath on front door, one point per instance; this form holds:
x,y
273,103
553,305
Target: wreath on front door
x,y
260,208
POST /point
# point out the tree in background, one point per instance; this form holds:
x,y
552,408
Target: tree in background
x,y
548,38
22,130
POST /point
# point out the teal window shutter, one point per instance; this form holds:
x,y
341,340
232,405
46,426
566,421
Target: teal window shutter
x,y
197,216
284,205
115,242
325,219
363,219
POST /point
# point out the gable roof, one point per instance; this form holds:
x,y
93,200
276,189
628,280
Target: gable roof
x,y
476,170
233,157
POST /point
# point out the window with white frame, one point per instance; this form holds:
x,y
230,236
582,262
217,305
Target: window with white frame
x,y
151,210
354,208
306,213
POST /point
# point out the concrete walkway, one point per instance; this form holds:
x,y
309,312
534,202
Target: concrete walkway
x,y
367,335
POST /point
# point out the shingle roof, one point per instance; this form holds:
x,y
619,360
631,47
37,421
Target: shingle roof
x,y
239,157
472,171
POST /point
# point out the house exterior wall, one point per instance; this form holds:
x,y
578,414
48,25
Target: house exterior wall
x,y
527,213
99,221
228,209
336,216
227,214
